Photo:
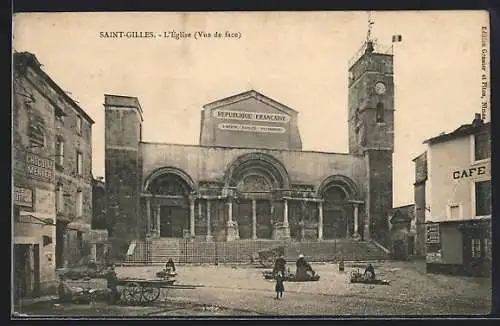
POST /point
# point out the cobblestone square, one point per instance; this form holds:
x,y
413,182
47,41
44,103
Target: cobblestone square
x,y
240,290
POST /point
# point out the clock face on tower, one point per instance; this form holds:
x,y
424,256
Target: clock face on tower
x,y
380,88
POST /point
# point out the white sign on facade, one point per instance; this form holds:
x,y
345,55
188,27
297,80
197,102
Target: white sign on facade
x,y
45,201
23,197
478,171
251,116
251,128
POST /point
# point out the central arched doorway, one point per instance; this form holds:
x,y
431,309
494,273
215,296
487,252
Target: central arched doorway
x,y
255,177
170,193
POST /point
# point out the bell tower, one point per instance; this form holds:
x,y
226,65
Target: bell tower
x,y
371,130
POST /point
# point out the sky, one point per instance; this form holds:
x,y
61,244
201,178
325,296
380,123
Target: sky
x,y
297,58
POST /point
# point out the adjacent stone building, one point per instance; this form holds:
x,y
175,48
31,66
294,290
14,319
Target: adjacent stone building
x,y
51,173
457,200
249,177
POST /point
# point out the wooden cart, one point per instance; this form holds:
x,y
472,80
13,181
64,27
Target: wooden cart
x,y
141,291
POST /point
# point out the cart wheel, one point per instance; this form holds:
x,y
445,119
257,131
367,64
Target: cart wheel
x,y
150,294
132,293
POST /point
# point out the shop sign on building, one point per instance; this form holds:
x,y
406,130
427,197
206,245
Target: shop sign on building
x,y
432,232
474,172
39,168
433,257
45,201
23,197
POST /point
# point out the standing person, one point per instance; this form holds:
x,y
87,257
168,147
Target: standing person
x,y
279,265
370,272
280,287
112,281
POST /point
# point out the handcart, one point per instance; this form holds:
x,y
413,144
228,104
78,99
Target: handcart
x,y
141,291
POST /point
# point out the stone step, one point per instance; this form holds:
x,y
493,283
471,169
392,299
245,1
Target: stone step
x,y
240,251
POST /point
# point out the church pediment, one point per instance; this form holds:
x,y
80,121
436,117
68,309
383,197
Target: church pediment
x,y
250,100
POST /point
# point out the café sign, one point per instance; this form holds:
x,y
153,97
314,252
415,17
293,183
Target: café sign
x,y
39,168
23,197
472,172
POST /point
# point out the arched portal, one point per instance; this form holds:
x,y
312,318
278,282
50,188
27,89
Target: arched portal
x,y
339,194
170,201
255,177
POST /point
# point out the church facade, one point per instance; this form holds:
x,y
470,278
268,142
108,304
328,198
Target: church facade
x,y
249,177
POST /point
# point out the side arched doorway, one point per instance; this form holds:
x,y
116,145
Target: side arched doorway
x,y
335,212
169,203
341,208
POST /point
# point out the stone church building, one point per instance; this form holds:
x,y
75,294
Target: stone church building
x,y
249,177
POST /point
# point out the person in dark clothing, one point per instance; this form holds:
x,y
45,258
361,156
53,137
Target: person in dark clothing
x,y
280,265
170,265
279,288
370,272
112,281
304,270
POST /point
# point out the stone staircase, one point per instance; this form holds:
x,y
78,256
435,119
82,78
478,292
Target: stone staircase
x,y
155,251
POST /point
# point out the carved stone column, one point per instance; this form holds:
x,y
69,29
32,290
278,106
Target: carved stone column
x,y
230,227
209,224
158,220
320,220
356,222
191,216
149,228
285,213
254,219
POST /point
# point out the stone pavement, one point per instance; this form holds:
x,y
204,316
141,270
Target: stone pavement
x,y
241,289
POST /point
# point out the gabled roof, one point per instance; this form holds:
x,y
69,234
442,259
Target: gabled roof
x,y
246,95
30,59
464,130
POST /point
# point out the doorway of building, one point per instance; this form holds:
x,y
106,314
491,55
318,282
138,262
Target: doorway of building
x,y
411,245
173,221
60,230
26,270
334,224
244,218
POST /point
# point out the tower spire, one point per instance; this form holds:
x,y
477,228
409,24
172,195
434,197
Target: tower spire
x,y
369,38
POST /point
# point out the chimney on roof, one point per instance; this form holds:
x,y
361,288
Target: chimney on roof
x,y
478,120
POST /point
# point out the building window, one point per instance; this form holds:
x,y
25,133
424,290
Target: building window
x,y
476,248
487,248
79,203
59,114
79,125
79,163
36,131
483,198
16,213
59,199
60,151
380,112
454,212
482,146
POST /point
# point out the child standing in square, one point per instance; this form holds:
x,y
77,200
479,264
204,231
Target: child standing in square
x,y
279,288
